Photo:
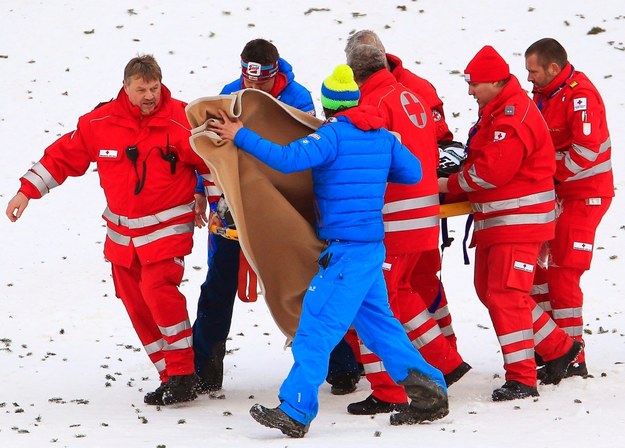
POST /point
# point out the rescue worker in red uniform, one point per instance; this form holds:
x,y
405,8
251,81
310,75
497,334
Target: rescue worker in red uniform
x,y
140,143
508,176
411,222
425,279
576,117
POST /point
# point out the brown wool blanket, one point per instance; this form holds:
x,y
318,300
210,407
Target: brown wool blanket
x,y
273,212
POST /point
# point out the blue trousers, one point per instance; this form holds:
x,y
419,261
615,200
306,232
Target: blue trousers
x,y
215,304
350,290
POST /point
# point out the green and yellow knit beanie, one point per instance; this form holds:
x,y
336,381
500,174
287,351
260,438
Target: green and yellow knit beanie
x,y
339,90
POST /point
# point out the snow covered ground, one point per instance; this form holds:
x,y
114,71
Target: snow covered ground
x,y
71,371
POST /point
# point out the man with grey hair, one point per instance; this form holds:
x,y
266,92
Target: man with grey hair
x,y
411,222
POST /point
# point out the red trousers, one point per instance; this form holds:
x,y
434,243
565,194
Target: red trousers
x,y
504,275
158,312
408,276
557,288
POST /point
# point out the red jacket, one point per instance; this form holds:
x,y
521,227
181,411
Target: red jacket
x,y
508,173
425,90
411,212
158,221
575,114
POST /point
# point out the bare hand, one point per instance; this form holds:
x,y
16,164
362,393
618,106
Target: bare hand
x,y
226,130
442,185
16,206
200,210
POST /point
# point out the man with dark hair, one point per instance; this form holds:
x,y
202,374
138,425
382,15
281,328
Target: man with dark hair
x,y
262,68
508,177
351,157
411,222
149,216
584,184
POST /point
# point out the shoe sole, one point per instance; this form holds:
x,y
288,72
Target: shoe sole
x,y
413,416
393,407
257,414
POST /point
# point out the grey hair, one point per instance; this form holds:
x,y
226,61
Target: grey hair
x,y
363,37
365,60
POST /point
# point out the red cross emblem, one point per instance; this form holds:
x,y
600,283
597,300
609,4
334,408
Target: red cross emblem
x,y
414,109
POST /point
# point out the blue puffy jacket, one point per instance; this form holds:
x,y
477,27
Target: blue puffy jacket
x,y
351,158
294,94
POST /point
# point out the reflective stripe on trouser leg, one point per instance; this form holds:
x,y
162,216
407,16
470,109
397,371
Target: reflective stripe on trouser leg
x,y
550,341
159,285
503,279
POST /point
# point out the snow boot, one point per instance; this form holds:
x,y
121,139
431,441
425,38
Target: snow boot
x,y
180,388
372,405
277,418
577,369
344,384
155,398
457,373
513,390
416,412
556,369
211,377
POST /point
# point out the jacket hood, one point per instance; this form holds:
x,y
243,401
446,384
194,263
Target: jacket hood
x,y
365,117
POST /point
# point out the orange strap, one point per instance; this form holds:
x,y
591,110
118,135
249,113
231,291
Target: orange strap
x,y
248,282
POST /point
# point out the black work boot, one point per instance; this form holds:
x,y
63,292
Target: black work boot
x,y
577,369
344,384
277,418
428,400
556,369
372,405
155,398
457,373
180,388
211,377
513,390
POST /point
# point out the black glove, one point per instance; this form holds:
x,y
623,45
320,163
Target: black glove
x,y
451,156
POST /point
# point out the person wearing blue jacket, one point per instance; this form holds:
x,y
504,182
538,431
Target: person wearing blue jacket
x,y
262,68
352,158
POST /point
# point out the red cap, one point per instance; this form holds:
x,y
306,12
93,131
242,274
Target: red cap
x,y
486,66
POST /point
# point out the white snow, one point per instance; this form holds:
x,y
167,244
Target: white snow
x,y
71,372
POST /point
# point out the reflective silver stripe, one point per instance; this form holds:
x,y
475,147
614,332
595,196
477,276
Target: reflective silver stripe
x,y
149,220
518,356
427,337
440,313
160,365
208,177
567,313
517,336
43,172
411,224
417,321
509,204
543,288
175,329
410,204
154,347
177,229
477,179
588,154
511,220
546,306
463,183
374,367
117,237
211,190
573,331
364,350
447,331
537,312
37,181
597,169
181,344
545,331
